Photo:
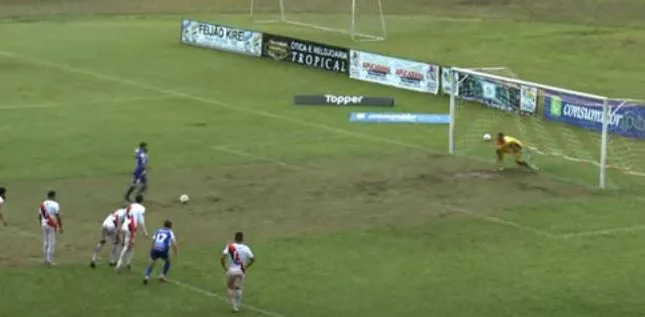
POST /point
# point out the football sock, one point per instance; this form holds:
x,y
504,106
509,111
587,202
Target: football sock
x,y
149,270
122,257
231,296
142,189
97,250
166,268
129,257
129,193
522,163
238,298
116,249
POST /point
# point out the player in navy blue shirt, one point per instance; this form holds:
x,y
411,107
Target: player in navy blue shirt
x,y
139,176
162,241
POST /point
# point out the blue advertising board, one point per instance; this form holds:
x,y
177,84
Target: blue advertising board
x,y
627,118
396,117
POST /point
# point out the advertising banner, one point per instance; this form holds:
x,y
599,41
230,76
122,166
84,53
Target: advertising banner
x,y
342,100
446,84
497,94
394,72
627,118
221,37
315,55
396,117
528,100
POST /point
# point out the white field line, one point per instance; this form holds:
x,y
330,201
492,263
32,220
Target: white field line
x,y
28,234
623,169
500,221
88,102
256,157
238,108
448,207
222,104
223,298
604,232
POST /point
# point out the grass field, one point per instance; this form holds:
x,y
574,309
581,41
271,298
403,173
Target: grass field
x,y
345,220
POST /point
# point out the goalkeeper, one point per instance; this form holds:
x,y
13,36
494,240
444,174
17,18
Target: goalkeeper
x,y
509,145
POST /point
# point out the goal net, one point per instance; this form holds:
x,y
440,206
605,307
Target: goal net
x,y
579,137
363,20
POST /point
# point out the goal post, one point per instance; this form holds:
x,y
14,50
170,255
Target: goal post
x,y
580,137
362,20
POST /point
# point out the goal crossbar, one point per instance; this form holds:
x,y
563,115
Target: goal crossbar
x,y
352,31
525,82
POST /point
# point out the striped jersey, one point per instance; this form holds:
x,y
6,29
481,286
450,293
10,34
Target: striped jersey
x,y
163,240
239,255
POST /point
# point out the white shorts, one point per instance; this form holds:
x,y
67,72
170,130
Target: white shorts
x,y
108,232
237,274
128,237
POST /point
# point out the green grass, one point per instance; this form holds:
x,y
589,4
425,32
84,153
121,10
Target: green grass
x,y
346,220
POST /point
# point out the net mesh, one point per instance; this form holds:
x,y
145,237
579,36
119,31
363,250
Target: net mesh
x,y
363,19
591,12
563,150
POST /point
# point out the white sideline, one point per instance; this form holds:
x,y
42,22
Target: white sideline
x,y
168,92
88,102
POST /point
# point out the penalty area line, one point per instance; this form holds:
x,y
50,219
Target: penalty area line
x,y
500,221
470,213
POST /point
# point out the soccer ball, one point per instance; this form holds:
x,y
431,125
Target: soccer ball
x,y
487,137
184,198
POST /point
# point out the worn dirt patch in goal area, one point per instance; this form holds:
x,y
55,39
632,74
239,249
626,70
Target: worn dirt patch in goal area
x,y
471,175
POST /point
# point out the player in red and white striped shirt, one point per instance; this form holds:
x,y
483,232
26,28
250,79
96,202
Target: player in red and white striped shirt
x,y
50,220
236,259
3,192
134,220
110,231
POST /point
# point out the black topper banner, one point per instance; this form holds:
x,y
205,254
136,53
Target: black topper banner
x,y
311,54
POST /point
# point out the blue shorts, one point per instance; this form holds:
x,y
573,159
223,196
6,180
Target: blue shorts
x,y
158,254
139,178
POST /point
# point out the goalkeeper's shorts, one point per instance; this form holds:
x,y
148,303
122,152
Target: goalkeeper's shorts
x,y
524,155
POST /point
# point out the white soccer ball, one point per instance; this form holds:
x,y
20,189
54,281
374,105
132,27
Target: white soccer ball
x,y
184,198
487,137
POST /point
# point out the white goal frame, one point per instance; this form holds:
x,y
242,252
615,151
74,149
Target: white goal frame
x,y
606,111
352,31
